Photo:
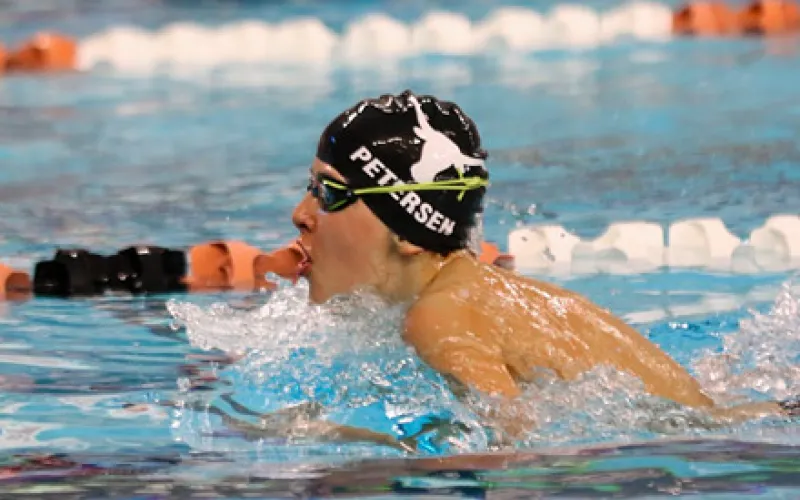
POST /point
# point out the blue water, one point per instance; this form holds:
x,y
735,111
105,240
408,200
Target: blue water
x,y
660,132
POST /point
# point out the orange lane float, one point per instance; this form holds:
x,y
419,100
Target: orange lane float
x,y
44,52
491,254
288,262
212,266
3,59
222,265
770,17
716,18
14,284
705,18
236,265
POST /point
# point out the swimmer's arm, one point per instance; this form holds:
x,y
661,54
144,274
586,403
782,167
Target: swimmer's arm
x,y
326,431
295,422
441,331
270,422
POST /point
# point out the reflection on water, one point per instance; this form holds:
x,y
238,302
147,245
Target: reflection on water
x,y
666,469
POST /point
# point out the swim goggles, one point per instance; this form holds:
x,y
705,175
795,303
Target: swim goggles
x,y
334,195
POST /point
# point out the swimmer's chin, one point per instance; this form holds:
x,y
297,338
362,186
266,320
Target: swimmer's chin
x,y
319,295
316,300
316,294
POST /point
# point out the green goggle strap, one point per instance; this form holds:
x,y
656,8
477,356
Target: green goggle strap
x,y
463,184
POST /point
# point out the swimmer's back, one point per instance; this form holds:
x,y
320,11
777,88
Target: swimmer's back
x,y
527,325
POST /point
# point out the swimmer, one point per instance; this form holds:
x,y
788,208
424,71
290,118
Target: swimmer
x,y
393,204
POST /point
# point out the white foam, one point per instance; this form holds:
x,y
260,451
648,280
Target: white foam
x,y
640,246
760,357
372,38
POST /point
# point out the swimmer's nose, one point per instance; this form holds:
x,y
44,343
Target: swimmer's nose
x,y
304,215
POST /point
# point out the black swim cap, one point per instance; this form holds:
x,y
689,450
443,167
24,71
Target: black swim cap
x,y
411,139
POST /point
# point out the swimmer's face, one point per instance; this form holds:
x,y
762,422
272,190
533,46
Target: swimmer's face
x,y
349,248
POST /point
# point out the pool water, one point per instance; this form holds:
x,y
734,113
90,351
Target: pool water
x,y
630,130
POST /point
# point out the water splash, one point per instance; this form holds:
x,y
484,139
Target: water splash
x,y
761,359
348,358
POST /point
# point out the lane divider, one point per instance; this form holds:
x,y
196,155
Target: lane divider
x,y
624,248
642,246
379,37
146,269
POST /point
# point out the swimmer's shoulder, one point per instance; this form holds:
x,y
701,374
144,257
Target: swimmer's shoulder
x,y
451,338
485,286
438,308
446,310
480,289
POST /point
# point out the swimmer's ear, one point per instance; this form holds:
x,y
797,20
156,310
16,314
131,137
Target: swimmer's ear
x,y
406,248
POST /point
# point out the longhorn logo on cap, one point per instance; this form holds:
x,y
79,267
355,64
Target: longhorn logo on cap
x,y
438,152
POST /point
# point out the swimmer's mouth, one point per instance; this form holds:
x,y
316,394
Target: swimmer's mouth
x,y
304,266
